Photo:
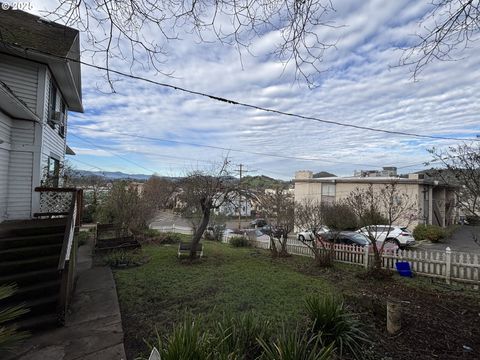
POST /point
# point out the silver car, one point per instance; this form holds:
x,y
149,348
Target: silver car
x,y
307,235
399,235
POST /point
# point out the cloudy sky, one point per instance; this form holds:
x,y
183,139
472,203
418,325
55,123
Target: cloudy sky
x,y
360,85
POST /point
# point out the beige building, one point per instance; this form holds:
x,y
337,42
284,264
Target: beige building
x,y
434,202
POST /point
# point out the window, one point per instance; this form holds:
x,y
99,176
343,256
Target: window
x,y
61,126
52,104
328,193
53,174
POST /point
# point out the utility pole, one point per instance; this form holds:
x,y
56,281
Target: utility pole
x,y
240,168
240,171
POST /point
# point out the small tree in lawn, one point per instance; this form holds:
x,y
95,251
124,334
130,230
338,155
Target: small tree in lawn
x,y
204,192
310,215
125,207
159,191
382,205
279,212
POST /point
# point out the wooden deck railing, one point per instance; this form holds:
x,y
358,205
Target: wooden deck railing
x,y
64,202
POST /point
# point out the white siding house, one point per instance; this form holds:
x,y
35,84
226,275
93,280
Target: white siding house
x,y
37,89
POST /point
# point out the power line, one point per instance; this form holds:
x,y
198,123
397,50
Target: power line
x,y
221,148
114,154
243,104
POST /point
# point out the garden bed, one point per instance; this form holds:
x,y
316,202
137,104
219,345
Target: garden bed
x,y
438,322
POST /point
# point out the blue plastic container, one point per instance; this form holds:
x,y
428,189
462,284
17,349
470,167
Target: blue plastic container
x,y
403,268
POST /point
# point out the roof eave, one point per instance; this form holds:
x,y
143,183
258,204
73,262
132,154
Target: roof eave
x,y
14,107
62,72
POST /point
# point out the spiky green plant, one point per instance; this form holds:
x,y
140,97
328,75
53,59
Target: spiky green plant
x,y
186,342
295,345
9,335
335,325
235,337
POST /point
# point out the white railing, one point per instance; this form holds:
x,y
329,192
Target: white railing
x,y
452,266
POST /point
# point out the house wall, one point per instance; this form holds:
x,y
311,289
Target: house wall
x,y
5,132
312,191
20,170
53,144
21,76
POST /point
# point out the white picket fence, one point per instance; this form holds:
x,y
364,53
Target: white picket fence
x,y
452,266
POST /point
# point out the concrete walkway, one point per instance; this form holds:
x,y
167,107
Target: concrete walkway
x,y
93,329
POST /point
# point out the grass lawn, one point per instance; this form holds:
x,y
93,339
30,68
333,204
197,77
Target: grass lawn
x,y
233,280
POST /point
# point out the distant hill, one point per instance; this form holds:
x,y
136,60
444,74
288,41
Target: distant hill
x,y
263,182
113,175
323,174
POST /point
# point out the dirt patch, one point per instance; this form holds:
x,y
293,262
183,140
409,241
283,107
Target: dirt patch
x,y
435,325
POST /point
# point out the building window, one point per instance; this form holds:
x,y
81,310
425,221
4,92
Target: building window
x,y
53,174
328,193
52,104
426,204
63,120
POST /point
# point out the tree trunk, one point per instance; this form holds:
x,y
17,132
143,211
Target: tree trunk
x,y
283,246
377,260
197,236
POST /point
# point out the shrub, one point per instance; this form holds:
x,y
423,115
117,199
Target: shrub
x,y
152,235
238,336
9,335
122,258
295,345
239,241
187,342
335,325
433,233
171,238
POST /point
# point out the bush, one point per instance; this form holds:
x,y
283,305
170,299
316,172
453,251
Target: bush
x,y
239,336
122,258
152,235
239,241
335,325
187,342
9,335
295,345
433,233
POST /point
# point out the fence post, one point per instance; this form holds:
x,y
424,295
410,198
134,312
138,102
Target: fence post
x,y
365,257
448,267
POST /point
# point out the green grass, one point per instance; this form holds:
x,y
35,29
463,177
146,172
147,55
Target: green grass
x,y
229,280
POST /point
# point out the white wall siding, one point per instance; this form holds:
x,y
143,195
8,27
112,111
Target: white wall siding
x,y
20,170
20,185
5,130
21,76
52,143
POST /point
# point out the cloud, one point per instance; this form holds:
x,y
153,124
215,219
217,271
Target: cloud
x,y
362,86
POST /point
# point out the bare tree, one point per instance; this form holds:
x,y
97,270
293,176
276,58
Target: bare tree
x,y
204,192
142,32
459,166
309,215
451,26
125,207
278,208
159,191
384,204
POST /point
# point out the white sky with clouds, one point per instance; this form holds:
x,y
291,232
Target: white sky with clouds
x,y
361,86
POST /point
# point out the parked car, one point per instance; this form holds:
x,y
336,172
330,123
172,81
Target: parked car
x,y
357,239
258,223
307,235
398,235
260,236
